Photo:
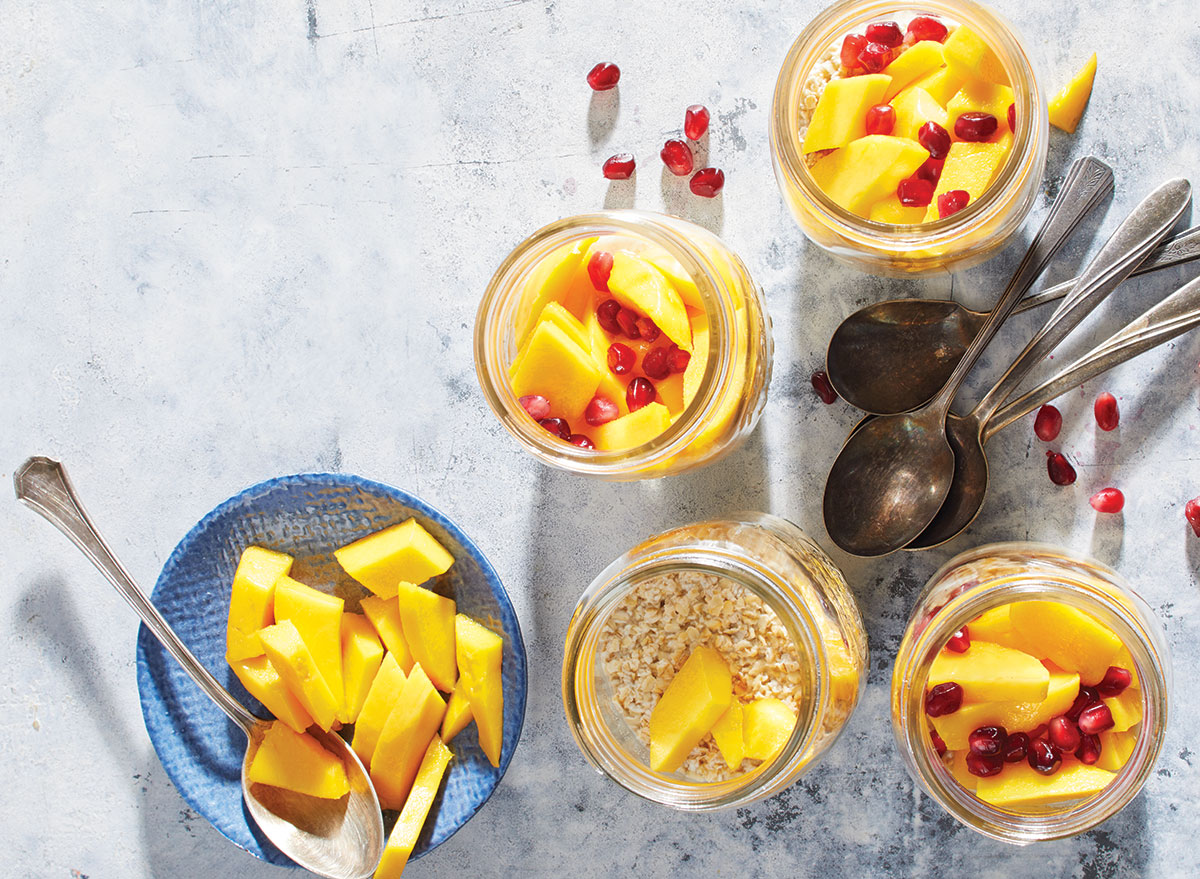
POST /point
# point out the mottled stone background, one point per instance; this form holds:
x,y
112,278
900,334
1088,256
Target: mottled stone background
x,y
245,238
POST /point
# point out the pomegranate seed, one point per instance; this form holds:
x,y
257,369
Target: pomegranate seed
x,y
678,359
1107,414
599,269
1016,747
874,57
606,315
536,405
988,741
655,364
880,119
1089,749
886,32
1086,697
1060,469
695,122
1048,423
960,641
639,393
943,699
557,426
581,440
1012,118
648,329
707,182
983,766
975,126
627,321
823,387
621,358
677,156
915,192
926,27
935,139
620,166
931,170
1191,512
1063,733
1044,757
603,76
600,410
938,744
852,47
952,202
1038,732
1114,682
1108,500
1096,719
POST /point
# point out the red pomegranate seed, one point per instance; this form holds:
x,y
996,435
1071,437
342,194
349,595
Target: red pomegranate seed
x,y
1012,118
938,744
639,393
931,170
678,359
1114,682
1038,732
852,47
1096,719
926,27
603,76
1044,757
582,440
1063,733
943,699
557,426
1107,414
655,364
677,156
600,410
975,126
1108,500
1085,697
620,166
599,269
874,57
627,321
536,405
915,192
1016,747
621,358
606,315
1060,469
695,122
1089,749
952,202
1191,512
935,139
983,766
1048,423
880,119
960,641
707,182
886,32
648,329
823,387
987,741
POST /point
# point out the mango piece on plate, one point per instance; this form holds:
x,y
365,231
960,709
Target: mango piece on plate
x,y
402,552
547,280
1066,107
890,210
634,429
727,732
403,837
969,166
955,728
918,61
410,727
293,660
1126,708
1020,786
1070,638
839,117
458,713
252,600
638,285
969,55
942,85
557,368
914,107
381,699
767,724
428,620
981,96
384,614
297,762
480,652
991,673
866,170
263,682
318,618
362,654
1115,749
697,696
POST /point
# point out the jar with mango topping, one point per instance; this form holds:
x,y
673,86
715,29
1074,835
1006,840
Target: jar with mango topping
x,y
712,665
624,345
909,139
1030,692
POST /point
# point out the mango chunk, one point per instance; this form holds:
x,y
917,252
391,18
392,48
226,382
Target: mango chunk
x,y
384,614
637,284
297,762
839,117
1070,638
968,54
919,60
1020,786
942,85
362,654
969,166
1066,107
293,660
402,552
843,673
567,322
1126,708
546,281
980,96
866,170
263,682
699,361
480,652
995,626
458,713
428,620
914,107
635,429
991,673
1115,749
727,732
958,768
252,600
381,699
955,728
403,837
318,618
697,696
676,274
410,727
767,724
889,210
557,368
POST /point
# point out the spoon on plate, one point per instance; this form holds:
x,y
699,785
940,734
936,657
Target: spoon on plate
x,y
340,839
894,356
894,472
1145,226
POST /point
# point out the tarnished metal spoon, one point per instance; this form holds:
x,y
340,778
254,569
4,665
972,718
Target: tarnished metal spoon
x,y
1134,238
340,839
894,356
893,473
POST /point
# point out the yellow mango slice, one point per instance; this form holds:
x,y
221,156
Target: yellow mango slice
x,y
638,285
293,660
1020,786
727,732
767,724
1126,709
1066,107
670,392
981,96
410,727
995,626
403,837
1124,659
611,387
384,614
839,117
252,600
958,768
866,170
991,673
942,85
731,401
362,654
914,107
1061,690
297,762
676,274
402,552
634,429
843,673
458,713
697,696
547,280
480,652
970,56
557,368
263,682
567,322
919,60
699,361
889,210
428,620
1115,749
969,166
318,618
1070,638
381,699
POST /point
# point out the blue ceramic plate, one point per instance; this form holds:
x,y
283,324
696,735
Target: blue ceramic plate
x,y
306,516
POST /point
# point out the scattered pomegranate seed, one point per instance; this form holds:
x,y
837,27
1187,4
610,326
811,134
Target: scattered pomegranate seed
x,y
874,57
581,440
655,364
823,387
943,699
1060,469
707,182
1107,414
695,122
678,359
960,641
938,744
887,33
599,269
1096,719
952,202
1089,749
648,329
983,766
620,166
536,405
1044,757
600,410
1048,423
1085,697
915,192
987,741
1191,512
606,314
1114,682
557,426
639,393
1012,118
604,76
1016,747
627,320
926,27
975,126
1063,733
852,47
621,358
935,139
1108,500
677,156
931,170
880,119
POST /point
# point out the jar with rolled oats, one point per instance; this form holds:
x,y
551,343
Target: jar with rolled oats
x,y
769,601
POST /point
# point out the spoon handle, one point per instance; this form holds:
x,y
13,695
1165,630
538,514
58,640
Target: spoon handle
x,y
1183,248
1137,235
1172,317
42,484
1088,182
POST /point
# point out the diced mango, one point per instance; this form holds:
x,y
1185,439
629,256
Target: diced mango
x,y
1126,708
969,55
1124,659
670,392
402,552
384,614
955,728
610,385
991,673
981,96
403,837
638,285
697,696
727,732
557,368
995,626
293,660
919,60
969,166
676,274
866,170
634,429
767,725
1066,107
889,210
428,620
381,699
1021,786
1115,749
942,85
297,762
546,281
410,727
699,360
362,654
458,713
252,599
263,682
318,618
958,768
567,322
1070,638
839,117
480,652
731,400
914,107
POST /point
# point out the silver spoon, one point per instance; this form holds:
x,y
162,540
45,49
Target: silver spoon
x,y
894,356
1134,238
341,839
893,473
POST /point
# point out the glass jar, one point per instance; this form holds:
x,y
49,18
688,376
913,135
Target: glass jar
x,y
731,393
999,574
754,556
955,242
